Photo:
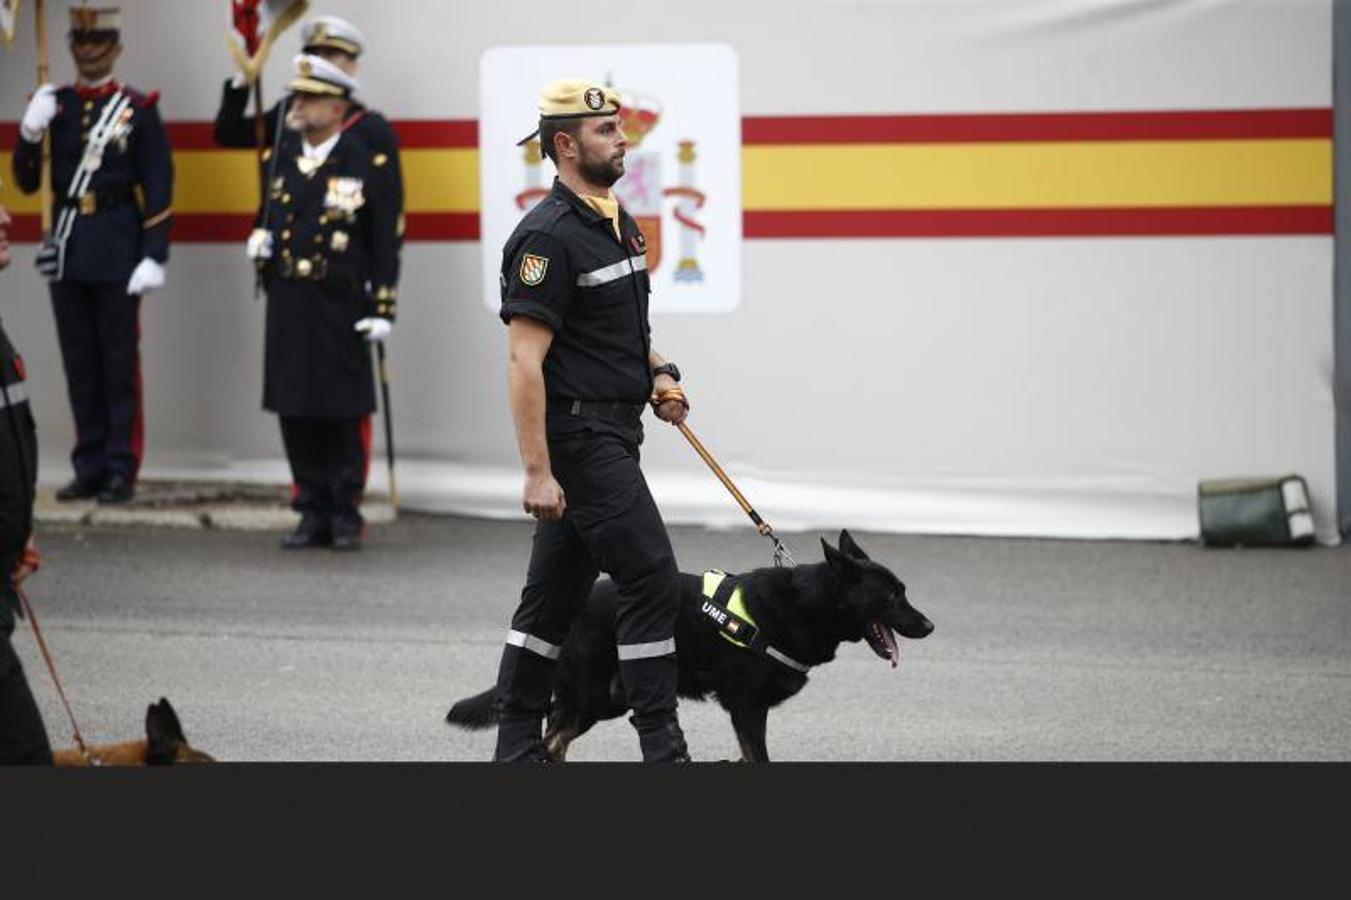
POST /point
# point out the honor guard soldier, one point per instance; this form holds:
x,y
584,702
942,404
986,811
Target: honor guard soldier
x,y
112,175
341,43
23,739
326,244
575,299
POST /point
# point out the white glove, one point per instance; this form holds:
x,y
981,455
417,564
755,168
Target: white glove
x,y
41,110
259,245
375,328
149,276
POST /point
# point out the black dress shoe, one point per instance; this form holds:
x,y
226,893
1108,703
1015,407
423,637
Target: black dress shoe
x,y
311,532
118,490
346,536
80,490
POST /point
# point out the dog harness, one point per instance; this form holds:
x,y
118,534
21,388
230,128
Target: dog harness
x,y
725,607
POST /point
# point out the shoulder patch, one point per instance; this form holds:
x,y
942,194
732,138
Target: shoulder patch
x,y
533,269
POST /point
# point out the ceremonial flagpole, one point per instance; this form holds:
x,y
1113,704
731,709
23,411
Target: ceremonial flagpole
x,y
44,75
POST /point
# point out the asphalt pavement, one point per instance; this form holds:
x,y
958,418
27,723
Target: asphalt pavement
x,y
1043,650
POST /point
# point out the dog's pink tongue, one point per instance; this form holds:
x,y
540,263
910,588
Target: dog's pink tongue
x,y
890,640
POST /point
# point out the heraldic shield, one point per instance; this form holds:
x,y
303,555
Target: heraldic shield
x,y
640,192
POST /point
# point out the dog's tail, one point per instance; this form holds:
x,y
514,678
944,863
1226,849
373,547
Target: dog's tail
x,y
476,712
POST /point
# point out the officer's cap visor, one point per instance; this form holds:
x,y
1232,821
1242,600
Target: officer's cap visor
x,y
101,36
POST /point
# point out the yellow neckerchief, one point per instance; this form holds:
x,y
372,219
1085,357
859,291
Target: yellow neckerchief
x,y
607,206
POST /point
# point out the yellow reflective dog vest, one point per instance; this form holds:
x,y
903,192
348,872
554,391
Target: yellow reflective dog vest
x,y
727,610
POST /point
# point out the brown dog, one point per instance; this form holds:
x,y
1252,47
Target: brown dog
x,y
164,745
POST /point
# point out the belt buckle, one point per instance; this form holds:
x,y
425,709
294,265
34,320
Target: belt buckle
x,y
89,203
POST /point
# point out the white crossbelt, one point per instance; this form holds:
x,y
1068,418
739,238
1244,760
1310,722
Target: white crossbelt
x,y
99,137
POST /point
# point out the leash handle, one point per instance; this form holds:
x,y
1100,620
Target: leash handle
x,y
781,555
47,656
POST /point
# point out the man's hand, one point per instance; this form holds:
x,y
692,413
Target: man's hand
x,y
39,114
149,276
29,562
543,497
375,328
668,400
259,244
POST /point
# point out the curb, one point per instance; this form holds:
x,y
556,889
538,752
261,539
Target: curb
x,y
193,505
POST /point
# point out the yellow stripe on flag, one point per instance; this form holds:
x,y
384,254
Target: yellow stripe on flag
x,y
1038,175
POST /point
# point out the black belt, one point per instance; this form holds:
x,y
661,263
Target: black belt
x,y
617,411
109,197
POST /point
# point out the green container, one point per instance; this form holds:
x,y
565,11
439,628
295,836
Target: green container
x,y
1255,512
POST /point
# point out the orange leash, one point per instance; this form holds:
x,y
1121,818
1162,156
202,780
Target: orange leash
x,y
781,554
46,655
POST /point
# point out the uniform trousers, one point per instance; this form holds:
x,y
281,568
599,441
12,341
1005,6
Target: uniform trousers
x,y
611,524
23,739
98,326
329,461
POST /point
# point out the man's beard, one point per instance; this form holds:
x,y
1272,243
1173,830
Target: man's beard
x,y
602,172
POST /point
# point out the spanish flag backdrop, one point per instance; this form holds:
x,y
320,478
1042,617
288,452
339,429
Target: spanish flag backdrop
x,y
1200,172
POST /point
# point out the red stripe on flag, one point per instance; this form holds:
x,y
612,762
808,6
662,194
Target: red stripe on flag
x,y
1298,122
1144,221
1024,127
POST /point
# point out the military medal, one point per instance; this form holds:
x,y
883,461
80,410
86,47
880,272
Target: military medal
x,y
346,195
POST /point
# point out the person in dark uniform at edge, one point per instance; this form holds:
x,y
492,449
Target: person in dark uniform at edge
x,y
23,739
575,299
341,43
326,244
112,179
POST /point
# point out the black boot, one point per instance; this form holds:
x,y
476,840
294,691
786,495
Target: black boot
x,y
313,531
662,740
119,489
80,489
346,534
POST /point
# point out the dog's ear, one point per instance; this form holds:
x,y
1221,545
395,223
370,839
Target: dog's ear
x,y
162,729
849,547
840,565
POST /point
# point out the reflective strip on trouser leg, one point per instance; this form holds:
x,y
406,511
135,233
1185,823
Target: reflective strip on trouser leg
x,y
541,647
629,652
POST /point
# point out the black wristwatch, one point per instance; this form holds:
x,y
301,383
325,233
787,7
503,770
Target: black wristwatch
x,y
668,368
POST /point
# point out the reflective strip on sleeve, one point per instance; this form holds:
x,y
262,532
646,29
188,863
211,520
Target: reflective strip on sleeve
x,y
613,273
533,644
630,652
14,394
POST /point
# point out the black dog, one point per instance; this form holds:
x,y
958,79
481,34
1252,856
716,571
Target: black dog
x,y
786,621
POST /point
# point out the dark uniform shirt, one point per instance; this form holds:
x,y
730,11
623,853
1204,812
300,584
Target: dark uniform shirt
x,y
123,215
335,260
564,266
18,469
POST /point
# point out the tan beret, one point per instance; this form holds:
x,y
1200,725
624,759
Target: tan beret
x,y
574,98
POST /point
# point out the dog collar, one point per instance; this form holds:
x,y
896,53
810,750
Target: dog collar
x,y
725,607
